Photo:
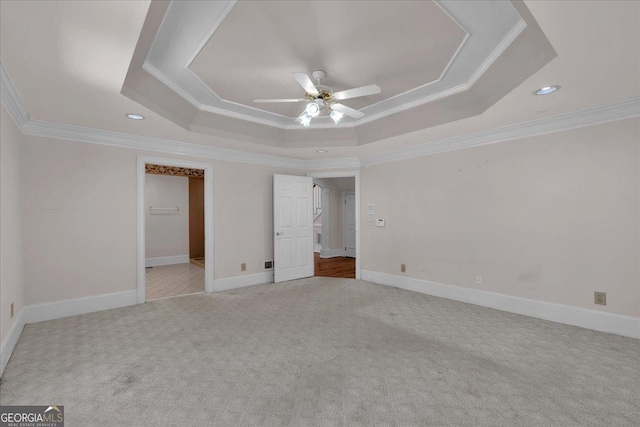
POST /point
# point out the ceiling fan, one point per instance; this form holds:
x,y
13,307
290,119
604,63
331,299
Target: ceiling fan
x,y
322,98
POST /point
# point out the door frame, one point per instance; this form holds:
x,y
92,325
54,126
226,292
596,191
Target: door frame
x,y
324,245
344,221
142,160
347,174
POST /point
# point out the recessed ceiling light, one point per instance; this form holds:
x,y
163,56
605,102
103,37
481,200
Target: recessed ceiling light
x,y
546,90
321,151
135,116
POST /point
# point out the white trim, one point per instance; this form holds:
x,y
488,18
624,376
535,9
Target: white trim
x,y
325,218
166,260
344,221
72,307
569,315
171,85
141,217
58,309
497,52
332,163
343,174
331,253
10,99
11,102
170,65
211,109
144,143
243,281
11,340
628,109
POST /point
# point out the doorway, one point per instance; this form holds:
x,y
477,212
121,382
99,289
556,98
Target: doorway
x,y
167,221
174,231
339,225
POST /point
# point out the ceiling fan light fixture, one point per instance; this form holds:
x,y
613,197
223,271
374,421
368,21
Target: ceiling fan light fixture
x,y
312,109
305,119
336,116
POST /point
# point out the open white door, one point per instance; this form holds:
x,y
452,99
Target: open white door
x,y
350,225
292,227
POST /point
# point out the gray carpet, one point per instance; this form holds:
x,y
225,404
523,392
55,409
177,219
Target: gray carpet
x,y
323,352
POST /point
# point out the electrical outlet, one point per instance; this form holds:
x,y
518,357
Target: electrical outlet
x,y
268,265
243,266
478,280
600,298
403,268
370,221
12,310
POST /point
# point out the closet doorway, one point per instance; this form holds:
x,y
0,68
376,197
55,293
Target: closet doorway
x,y
175,221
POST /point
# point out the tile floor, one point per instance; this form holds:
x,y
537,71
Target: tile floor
x,y
171,280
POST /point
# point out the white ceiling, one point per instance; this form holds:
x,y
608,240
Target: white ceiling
x,y
68,61
257,46
244,48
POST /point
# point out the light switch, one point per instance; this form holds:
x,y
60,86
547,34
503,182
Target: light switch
x,y
379,222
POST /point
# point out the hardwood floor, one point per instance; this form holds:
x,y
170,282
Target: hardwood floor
x,y
335,267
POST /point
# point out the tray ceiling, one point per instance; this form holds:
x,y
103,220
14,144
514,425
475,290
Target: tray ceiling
x,y
252,53
200,64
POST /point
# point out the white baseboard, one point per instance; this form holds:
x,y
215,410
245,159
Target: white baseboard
x,y
590,319
166,260
11,340
71,307
242,281
331,253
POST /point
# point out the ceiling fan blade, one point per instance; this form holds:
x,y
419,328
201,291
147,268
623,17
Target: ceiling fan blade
x,y
306,83
359,91
348,111
265,101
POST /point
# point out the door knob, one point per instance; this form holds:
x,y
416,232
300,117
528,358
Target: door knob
x,y
279,233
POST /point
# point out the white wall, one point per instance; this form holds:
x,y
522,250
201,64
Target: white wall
x,y
11,260
243,216
167,235
551,218
80,218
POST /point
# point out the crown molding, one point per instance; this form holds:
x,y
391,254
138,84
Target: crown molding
x,y
12,103
173,69
335,163
10,99
627,109
495,54
136,142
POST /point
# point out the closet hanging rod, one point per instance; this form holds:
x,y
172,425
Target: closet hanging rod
x,y
165,211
